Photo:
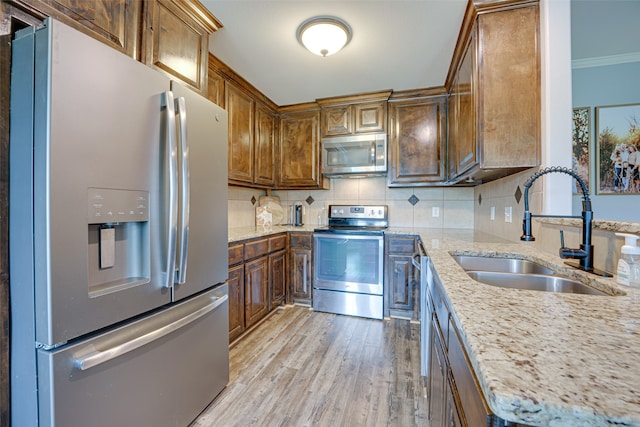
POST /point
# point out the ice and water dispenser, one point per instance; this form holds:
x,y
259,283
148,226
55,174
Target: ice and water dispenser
x,y
118,246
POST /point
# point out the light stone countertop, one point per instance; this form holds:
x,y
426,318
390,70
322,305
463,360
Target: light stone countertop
x,y
237,234
542,358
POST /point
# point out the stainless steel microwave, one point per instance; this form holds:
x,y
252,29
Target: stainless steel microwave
x,y
359,154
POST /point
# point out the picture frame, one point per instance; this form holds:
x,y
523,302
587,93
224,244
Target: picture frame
x,y
581,143
617,145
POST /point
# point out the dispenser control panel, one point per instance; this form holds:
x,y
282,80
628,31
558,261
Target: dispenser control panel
x,y
107,205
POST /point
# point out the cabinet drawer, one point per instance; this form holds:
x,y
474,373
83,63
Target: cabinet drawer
x,y
277,243
401,245
300,240
256,248
236,254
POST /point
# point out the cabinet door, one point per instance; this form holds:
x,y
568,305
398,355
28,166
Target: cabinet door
x,y
256,290
265,146
300,150
465,138
337,120
240,108
300,264
236,301
370,117
416,141
215,88
401,282
114,22
437,379
277,278
300,268
176,43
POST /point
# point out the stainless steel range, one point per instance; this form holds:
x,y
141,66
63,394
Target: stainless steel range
x,y
348,257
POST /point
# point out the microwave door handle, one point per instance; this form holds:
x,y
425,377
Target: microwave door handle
x,y
184,179
172,205
373,153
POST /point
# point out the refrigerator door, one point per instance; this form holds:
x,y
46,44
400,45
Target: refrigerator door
x,y
90,201
203,234
162,370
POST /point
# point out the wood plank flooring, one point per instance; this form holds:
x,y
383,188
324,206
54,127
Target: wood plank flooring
x,y
306,368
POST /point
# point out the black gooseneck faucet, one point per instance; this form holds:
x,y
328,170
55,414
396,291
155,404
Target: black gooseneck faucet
x,y
584,255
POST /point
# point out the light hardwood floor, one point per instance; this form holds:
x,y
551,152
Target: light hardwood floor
x,y
305,368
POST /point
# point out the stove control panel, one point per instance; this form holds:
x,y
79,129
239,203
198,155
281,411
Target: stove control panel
x,y
358,211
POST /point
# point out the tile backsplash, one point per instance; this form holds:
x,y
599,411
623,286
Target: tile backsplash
x,y
436,207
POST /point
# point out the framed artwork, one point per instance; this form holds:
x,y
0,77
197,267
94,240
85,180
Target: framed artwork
x,y
617,144
581,141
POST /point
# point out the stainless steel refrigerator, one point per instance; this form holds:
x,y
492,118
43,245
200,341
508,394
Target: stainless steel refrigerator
x,y
118,238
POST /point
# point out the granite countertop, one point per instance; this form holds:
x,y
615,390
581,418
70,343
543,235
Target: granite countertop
x,y
543,358
237,234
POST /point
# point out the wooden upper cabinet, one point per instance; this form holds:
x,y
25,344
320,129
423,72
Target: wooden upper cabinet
x,y
495,114
416,141
240,108
348,115
113,22
265,146
176,40
299,149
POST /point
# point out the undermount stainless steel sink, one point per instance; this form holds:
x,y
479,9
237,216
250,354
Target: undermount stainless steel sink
x,y
503,265
520,274
533,282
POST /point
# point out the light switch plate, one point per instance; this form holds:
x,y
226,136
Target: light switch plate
x,y
493,213
435,211
508,213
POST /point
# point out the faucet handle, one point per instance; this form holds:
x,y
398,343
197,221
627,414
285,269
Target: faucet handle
x,y
561,239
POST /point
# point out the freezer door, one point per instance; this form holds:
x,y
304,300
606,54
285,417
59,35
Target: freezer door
x,y
90,202
159,371
202,259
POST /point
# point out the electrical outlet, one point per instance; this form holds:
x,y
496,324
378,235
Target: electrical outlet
x,y
508,213
493,213
435,211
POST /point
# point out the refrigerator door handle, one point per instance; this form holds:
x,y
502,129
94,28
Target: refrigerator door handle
x,y
172,159
98,357
184,211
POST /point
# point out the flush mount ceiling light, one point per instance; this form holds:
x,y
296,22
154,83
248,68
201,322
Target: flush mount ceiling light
x,y
324,35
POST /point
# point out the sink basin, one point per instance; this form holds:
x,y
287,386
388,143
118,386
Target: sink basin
x,y
533,282
503,265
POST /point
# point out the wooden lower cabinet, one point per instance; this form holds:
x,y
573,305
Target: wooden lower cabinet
x,y
455,397
257,281
399,276
300,267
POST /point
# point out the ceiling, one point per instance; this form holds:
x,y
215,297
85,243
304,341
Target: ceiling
x,y
396,44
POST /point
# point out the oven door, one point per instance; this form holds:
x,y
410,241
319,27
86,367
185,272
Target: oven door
x,y
348,262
